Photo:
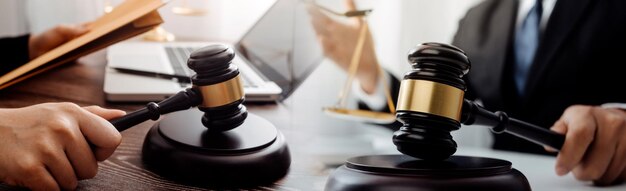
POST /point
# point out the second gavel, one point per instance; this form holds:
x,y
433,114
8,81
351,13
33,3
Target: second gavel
x,y
431,104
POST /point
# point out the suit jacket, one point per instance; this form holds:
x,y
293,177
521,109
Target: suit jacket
x,y
578,61
13,53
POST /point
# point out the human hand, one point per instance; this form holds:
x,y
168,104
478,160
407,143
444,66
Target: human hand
x,y
595,144
41,43
339,40
53,145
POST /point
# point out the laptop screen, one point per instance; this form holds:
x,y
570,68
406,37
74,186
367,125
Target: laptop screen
x,y
282,45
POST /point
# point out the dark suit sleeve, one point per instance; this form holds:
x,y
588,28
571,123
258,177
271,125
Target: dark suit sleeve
x,y
13,53
469,93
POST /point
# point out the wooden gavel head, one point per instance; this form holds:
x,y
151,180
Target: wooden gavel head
x,y
218,82
430,101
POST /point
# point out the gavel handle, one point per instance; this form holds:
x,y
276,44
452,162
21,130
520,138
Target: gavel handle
x,y
501,122
136,117
181,101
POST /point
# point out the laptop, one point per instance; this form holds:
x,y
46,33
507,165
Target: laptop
x,y
274,57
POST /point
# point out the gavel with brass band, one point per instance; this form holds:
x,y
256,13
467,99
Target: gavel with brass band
x,y
431,104
227,139
217,91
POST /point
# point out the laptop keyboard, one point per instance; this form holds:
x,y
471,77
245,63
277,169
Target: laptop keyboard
x,y
178,59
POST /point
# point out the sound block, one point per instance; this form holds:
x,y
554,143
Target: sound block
x,y
180,148
400,172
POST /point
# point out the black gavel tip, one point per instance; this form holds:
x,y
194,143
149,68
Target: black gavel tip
x,y
425,136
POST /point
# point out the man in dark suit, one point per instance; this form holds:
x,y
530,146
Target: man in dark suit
x,y
551,63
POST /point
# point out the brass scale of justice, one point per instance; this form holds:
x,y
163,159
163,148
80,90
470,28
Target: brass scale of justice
x,y
340,109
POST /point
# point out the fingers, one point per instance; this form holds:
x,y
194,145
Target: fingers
x,y
601,151
107,114
66,130
99,132
61,169
622,178
559,127
337,39
594,148
81,156
68,32
38,178
320,21
50,39
46,146
329,48
581,129
612,123
615,171
87,25
29,171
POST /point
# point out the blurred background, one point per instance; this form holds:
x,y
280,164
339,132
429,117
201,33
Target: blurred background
x,y
397,25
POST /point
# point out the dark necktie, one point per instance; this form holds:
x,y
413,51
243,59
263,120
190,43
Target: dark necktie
x,y
526,43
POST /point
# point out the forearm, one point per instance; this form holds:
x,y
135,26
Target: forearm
x,y
13,52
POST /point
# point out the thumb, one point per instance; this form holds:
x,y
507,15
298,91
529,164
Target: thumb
x,y
105,140
107,114
559,127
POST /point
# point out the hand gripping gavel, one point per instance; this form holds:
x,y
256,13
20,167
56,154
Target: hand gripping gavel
x,y
431,105
217,91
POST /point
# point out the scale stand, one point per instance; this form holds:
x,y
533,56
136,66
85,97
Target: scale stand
x,y
340,110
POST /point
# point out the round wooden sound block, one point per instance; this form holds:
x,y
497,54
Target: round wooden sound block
x,y
180,148
401,172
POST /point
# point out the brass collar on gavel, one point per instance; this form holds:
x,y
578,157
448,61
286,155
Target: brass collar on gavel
x,y
430,97
221,93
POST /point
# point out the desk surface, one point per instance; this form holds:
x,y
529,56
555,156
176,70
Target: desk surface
x,y
318,142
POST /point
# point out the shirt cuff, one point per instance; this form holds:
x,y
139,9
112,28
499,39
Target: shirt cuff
x,y
377,100
621,106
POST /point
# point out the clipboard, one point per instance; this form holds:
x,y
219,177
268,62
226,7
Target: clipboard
x,y
129,19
